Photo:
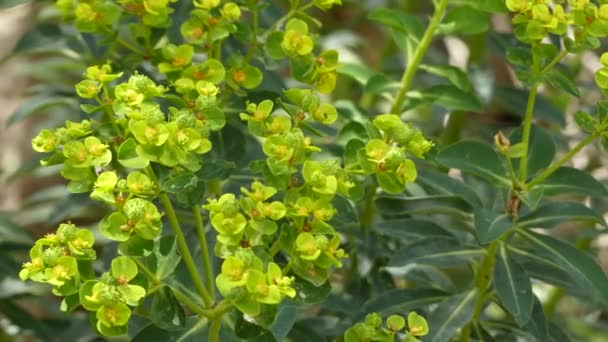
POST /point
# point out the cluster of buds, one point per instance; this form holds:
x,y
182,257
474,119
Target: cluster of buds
x,y
55,257
387,155
372,328
535,19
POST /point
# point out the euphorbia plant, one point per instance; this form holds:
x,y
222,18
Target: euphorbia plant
x,y
167,90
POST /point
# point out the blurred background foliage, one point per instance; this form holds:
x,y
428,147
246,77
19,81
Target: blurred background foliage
x,y
50,58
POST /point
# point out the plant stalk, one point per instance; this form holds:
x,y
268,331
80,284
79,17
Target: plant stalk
x,y
185,251
523,162
202,238
551,169
419,53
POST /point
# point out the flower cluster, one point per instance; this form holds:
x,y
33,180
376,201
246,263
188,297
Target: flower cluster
x,y
55,257
535,19
111,295
372,329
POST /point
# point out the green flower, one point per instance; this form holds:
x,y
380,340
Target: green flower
x,y
101,74
309,247
231,11
320,177
296,41
246,76
259,192
45,141
139,184
88,89
103,190
232,276
100,154
417,324
62,270
177,56
211,70
149,133
260,289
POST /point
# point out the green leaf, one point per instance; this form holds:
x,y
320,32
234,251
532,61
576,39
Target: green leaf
x,y
346,213
179,183
445,95
284,320
410,229
360,73
167,312
453,74
164,258
396,206
445,185
541,149
195,330
491,225
513,287
308,293
398,20
585,121
492,6
400,300
37,105
380,83
464,20
216,169
559,80
12,3
474,157
582,268
537,325
515,101
568,180
443,252
128,156
450,316
551,214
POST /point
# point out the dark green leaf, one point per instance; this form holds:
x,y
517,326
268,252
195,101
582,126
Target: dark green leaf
x,y
515,101
450,316
435,251
559,80
307,293
410,229
453,74
283,321
583,269
571,180
537,325
400,300
381,83
395,206
445,95
492,6
346,213
216,168
585,121
474,157
179,183
551,214
164,258
167,313
445,185
541,149
464,20
38,105
513,287
398,20
491,225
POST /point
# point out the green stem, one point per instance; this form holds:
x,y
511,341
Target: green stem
x,y
412,66
482,281
200,231
551,169
553,62
523,162
214,329
185,251
184,299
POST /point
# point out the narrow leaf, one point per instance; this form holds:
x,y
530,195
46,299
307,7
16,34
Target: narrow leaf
x,y
490,225
551,214
450,316
435,251
474,157
571,180
582,268
513,287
